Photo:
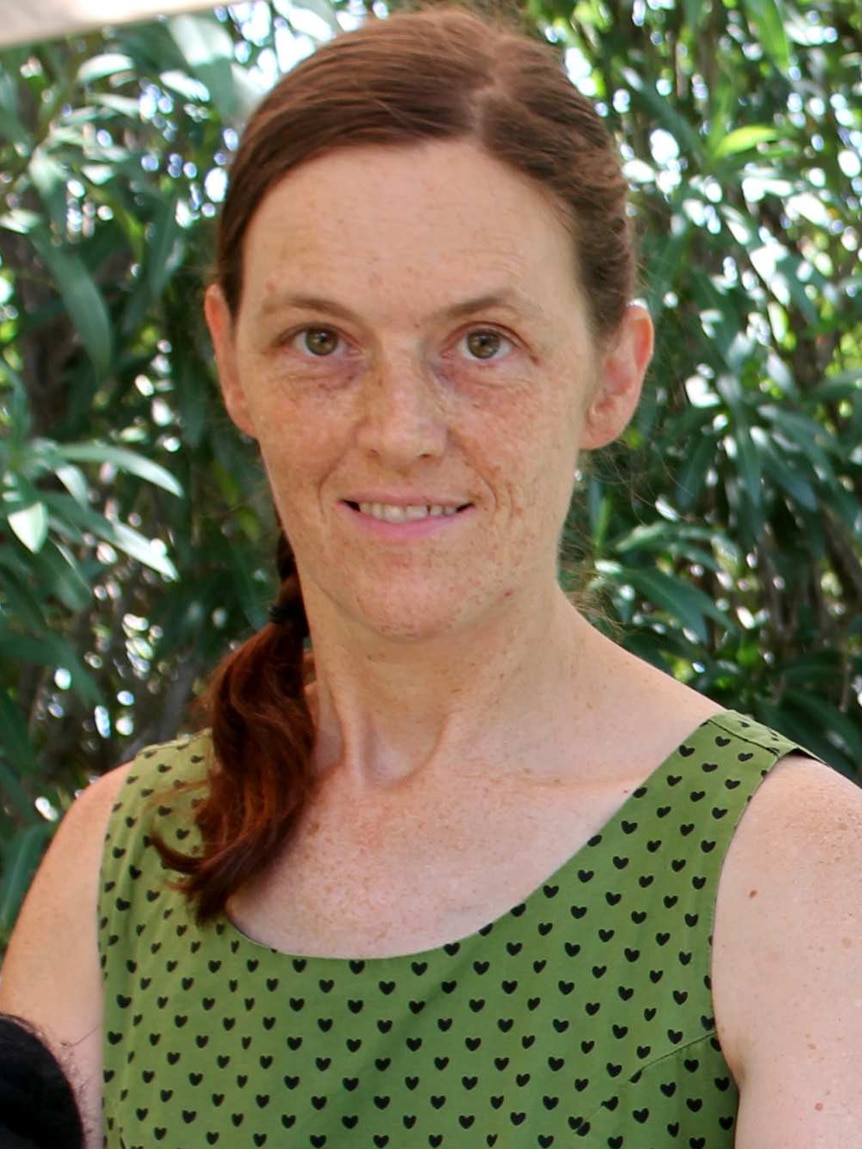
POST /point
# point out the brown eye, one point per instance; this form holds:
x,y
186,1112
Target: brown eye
x,y
320,341
484,344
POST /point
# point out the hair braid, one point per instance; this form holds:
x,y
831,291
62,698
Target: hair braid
x,y
262,739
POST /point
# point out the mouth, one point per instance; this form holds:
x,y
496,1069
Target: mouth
x,y
408,512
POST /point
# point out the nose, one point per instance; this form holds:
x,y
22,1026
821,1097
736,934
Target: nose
x,y
403,417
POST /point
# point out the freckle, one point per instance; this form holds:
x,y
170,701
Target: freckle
x,y
752,893
847,943
811,1045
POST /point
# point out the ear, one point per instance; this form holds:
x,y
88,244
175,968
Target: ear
x,y
622,368
221,327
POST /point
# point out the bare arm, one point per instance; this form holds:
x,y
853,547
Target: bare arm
x,y
51,973
788,962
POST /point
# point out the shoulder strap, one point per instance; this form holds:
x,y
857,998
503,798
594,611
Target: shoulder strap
x,y
160,790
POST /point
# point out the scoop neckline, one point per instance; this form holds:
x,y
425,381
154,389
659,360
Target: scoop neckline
x,y
233,933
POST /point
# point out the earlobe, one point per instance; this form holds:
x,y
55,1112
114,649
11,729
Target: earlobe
x,y
221,327
622,371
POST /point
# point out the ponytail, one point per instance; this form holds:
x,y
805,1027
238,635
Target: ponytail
x,y
262,739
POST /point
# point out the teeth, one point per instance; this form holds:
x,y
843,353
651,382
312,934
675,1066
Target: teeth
x,y
390,513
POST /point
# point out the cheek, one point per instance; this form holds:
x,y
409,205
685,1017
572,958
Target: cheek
x,y
296,465
539,457
299,433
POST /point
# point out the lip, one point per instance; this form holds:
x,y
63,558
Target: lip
x,y
411,499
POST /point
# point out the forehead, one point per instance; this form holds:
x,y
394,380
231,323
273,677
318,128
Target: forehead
x,y
363,218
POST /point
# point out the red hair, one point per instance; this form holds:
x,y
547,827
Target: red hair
x,y
432,75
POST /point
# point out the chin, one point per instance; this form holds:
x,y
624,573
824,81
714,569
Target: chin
x,y
419,616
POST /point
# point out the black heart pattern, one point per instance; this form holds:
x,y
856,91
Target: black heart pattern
x,y
582,1014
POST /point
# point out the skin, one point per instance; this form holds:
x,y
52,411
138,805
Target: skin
x,y
462,703
401,408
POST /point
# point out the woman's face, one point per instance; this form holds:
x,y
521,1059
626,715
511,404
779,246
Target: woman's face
x,y
413,355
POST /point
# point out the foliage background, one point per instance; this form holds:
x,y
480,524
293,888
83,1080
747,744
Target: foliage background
x,y
721,539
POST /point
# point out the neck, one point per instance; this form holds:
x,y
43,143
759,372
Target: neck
x,y
491,694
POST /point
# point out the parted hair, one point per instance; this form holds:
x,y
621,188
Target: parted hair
x,y
432,75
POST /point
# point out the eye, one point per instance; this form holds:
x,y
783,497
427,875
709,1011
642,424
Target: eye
x,y
485,343
318,341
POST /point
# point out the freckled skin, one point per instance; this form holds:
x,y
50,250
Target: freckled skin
x,y
401,405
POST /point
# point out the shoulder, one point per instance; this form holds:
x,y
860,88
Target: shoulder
x,y
804,824
65,885
51,975
54,940
788,959
58,909
801,797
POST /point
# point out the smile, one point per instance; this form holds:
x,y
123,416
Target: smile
x,y
410,513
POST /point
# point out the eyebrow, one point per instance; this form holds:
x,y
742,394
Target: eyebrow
x,y
300,302
506,298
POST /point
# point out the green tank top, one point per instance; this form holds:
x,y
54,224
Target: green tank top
x,y
583,1014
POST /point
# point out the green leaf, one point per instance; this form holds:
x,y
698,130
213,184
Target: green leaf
x,y
10,122
17,747
122,105
320,8
685,604
804,433
20,601
20,220
146,551
82,300
190,88
59,575
769,24
21,857
53,651
790,479
30,525
249,592
744,139
664,267
16,798
207,48
600,511
124,460
694,472
821,727
668,539
49,180
663,111
194,394
165,248
75,482
131,542
104,65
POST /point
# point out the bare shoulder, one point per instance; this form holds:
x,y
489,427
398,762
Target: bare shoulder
x,y
63,894
803,811
51,973
788,960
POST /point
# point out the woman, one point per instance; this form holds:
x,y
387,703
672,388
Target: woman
x,y
460,889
